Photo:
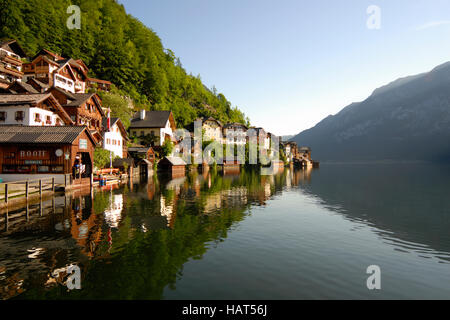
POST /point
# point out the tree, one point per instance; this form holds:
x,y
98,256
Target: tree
x,y
167,148
101,157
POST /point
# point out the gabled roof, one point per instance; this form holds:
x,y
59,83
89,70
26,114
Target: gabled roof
x,y
78,99
13,46
13,99
235,125
33,99
153,119
175,161
47,52
41,135
113,122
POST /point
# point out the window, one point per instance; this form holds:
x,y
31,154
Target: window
x,y
48,120
108,141
74,119
118,142
37,117
2,116
20,115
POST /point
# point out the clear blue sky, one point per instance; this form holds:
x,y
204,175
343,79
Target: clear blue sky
x,y
289,63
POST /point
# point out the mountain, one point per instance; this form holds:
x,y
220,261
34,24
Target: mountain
x,y
407,120
116,47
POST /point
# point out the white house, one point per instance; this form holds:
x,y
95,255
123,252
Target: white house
x,y
157,123
32,110
115,139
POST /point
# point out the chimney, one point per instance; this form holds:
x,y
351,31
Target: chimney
x,y
142,114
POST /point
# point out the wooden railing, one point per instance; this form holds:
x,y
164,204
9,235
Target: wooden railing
x,y
16,189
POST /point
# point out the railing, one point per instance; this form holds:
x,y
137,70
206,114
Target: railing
x,y
16,189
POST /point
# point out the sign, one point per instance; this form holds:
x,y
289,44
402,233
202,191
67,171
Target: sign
x,y
34,155
29,162
83,144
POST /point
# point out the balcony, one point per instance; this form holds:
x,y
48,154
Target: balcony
x,y
10,59
15,73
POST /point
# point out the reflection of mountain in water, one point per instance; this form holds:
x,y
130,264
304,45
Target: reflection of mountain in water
x,y
408,203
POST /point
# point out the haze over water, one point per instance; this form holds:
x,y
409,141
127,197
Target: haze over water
x,y
295,235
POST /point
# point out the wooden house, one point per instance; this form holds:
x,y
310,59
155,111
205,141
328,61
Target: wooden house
x,y
11,55
28,151
174,166
85,109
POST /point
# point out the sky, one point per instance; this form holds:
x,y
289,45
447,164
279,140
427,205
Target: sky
x,y
287,64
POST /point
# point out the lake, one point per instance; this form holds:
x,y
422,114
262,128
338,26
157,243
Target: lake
x,y
298,234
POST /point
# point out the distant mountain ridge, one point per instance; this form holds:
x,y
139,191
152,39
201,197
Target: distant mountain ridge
x,y
408,119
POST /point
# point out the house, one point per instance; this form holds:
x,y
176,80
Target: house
x,y
54,70
175,166
305,152
140,152
85,109
290,150
211,128
235,133
11,55
32,110
51,69
102,85
115,139
46,152
263,138
157,124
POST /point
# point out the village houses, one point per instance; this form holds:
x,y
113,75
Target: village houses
x,y
160,125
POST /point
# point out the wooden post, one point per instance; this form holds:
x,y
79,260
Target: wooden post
x,y
26,189
40,187
6,192
53,184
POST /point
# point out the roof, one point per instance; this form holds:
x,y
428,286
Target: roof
x,y
99,80
119,123
153,119
118,163
142,149
10,99
40,135
80,98
105,121
52,54
234,125
13,46
28,88
39,83
175,161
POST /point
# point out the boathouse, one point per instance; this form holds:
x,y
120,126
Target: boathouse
x,y
172,165
33,152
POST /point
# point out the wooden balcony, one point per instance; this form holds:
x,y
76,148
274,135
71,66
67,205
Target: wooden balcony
x,y
10,59
11,71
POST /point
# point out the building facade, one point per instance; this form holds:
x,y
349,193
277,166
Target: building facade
x,y
11,55
158,124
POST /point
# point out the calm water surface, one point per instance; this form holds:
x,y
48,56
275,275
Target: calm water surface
x,y
294,235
